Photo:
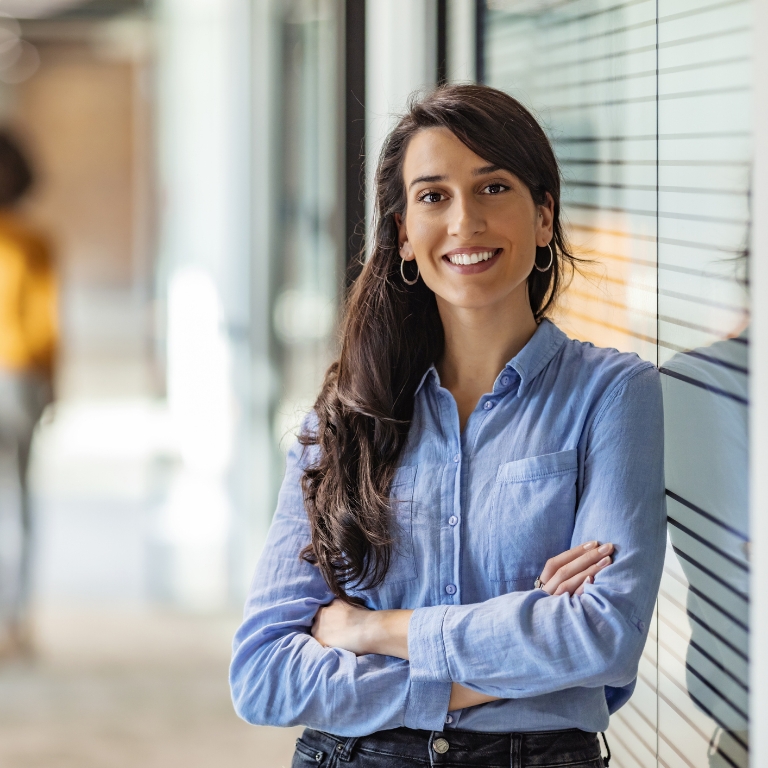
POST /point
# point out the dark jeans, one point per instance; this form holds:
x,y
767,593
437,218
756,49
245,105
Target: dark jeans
x,y
406,747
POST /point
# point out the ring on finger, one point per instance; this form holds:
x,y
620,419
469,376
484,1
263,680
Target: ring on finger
x,y
538,584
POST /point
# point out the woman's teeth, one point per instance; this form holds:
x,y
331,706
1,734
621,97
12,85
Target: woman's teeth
x,y
470,258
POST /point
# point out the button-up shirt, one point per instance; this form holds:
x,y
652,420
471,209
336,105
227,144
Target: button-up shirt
x,y
567,448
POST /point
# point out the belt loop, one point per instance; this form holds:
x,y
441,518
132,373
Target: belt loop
x,y
344,750
515,750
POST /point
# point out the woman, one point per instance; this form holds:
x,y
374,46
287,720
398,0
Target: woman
x,y
444,609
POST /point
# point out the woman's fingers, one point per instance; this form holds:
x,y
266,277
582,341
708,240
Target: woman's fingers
x,y
575,584
554,563
582,566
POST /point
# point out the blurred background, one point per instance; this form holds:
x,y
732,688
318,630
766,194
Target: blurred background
x,y
183,189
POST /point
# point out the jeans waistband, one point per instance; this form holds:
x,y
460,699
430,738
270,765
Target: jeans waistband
x,y
456,747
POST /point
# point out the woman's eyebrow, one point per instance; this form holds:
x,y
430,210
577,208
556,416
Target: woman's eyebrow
x,y
486,169
477,172
428,179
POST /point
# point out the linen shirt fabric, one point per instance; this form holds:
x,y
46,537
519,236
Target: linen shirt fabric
x,y
566,448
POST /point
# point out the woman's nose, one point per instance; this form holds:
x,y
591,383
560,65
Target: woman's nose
x,y
465,218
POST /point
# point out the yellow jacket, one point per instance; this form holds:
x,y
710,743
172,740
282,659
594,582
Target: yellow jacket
x,y
28,315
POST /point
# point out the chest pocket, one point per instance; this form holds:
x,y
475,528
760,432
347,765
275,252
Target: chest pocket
x,y
402,565
532,516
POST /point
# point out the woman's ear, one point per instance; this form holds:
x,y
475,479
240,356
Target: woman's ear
x,y
544,221
406,250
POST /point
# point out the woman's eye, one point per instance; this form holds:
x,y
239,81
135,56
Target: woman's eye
x,y
430,197
494,189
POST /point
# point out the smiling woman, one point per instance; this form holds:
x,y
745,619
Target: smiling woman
x,y
436,580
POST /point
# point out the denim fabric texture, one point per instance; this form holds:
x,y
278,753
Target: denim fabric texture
x,y
566,448
404,747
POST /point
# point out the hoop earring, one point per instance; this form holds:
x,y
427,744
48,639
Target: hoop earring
x,y
402,273
551,259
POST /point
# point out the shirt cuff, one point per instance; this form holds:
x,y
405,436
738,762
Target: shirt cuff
x,y
427,705
426,646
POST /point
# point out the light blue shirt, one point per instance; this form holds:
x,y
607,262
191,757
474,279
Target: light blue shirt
x,y
567,448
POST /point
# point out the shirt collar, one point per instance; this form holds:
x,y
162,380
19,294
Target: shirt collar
x,y
431,372
534,357
528,363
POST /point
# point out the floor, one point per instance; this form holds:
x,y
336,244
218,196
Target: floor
x,y
119,688
121,675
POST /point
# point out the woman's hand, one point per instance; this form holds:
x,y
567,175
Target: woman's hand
x,y
340,625
573,569
356,629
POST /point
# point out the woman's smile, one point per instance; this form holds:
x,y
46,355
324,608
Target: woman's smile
x,y
470,261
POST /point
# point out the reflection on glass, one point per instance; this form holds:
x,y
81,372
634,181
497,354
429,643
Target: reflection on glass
x,y
704,599
704,154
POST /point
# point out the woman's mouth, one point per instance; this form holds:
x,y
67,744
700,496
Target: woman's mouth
x,y
472,261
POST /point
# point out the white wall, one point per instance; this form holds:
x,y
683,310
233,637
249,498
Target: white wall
x,y
759,398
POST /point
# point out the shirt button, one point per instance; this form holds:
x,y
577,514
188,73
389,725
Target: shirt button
x,y
450,589
504,381
452,520
449,719
456,458
488,405
641,625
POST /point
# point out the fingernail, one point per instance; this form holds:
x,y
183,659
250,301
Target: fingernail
x,y
605,548
604,561
589,580
590,545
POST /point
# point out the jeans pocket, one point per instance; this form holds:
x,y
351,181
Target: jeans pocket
x,y
306,755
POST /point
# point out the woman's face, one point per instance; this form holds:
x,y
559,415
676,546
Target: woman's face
x,y
462,209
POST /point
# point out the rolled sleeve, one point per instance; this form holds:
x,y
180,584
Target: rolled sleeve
x,y
427,705
426,646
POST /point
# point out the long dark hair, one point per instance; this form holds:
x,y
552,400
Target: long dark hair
x,y
391,333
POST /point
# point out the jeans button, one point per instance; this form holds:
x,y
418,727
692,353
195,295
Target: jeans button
x,y
441,746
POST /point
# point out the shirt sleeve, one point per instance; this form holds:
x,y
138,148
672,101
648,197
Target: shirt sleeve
x,y
280,675
525,644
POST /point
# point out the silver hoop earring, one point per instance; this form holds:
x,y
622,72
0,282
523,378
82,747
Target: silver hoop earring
x,y
551,259
402,273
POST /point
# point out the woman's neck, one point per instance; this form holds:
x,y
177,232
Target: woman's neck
x,y
478,344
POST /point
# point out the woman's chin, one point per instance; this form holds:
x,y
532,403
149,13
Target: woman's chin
x,y
471,297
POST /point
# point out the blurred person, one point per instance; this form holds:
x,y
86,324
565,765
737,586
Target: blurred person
x,y
468,542
28,334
